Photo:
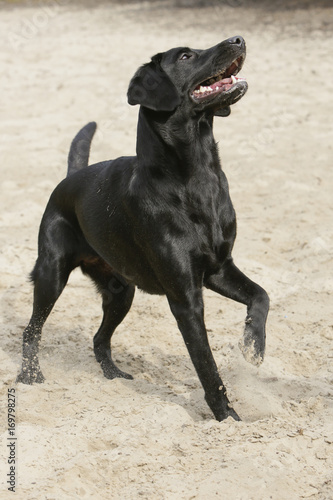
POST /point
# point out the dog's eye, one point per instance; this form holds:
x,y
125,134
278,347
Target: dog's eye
x,y
185,56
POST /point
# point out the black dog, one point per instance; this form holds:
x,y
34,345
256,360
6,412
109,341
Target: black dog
x,y
162,220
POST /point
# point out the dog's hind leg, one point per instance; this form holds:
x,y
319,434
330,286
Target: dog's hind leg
x,y
232,283
50,276
117,299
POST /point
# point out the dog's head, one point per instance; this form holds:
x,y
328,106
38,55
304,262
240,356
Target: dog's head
x,y
197,80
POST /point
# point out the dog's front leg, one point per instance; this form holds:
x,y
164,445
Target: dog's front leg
x,y
190,318
232,283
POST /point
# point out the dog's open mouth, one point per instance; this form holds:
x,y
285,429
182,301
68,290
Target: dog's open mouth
x,y
220,83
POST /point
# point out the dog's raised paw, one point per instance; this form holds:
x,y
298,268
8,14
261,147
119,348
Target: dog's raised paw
x,y
251,353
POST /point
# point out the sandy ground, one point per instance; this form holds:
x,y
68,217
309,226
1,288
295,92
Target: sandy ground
x,y
81,436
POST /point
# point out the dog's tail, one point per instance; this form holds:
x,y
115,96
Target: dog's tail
x,y
78,156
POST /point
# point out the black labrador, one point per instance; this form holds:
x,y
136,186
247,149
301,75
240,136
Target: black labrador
x,y
162,221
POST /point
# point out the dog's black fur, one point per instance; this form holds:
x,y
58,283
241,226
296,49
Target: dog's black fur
x,y
162,220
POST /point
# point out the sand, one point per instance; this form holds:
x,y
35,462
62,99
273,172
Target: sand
x,y
82,436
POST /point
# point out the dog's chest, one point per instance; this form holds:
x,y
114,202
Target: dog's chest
x,y
205,221
203,216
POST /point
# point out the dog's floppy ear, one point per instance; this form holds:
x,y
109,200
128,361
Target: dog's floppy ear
x,y
152,88
223,111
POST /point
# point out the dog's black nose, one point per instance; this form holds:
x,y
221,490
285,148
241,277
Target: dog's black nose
x,y
237,40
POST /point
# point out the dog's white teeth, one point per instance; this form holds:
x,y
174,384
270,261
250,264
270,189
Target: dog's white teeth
x,y
233,79
203,89
236,63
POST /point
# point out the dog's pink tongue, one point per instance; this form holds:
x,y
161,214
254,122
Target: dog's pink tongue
x,y
220,83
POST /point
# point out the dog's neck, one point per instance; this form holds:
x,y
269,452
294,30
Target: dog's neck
x,y
185,148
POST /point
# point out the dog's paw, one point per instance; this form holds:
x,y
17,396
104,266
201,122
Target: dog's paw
x,y
226,413
249,353
111,371
30,376
252,346
234,415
